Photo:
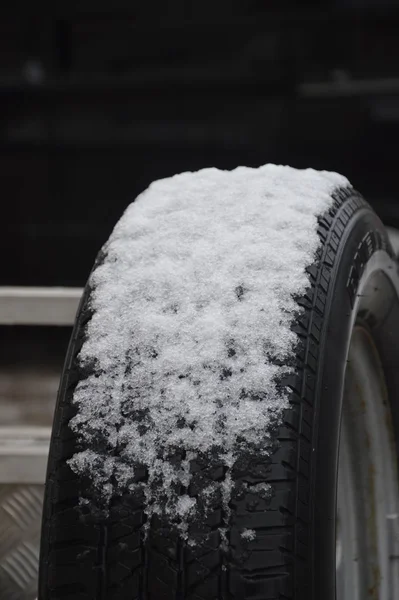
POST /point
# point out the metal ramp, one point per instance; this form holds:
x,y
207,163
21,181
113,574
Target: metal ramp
x,y
35,324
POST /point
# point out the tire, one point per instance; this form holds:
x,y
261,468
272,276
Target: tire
x,y
93,555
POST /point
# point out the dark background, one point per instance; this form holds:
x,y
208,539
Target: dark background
x,y
97,99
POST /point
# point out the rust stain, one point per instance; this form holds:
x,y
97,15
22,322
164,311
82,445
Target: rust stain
x,y
373,590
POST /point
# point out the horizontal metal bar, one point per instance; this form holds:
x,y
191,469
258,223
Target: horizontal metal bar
x,y
38,305
23,454
349,87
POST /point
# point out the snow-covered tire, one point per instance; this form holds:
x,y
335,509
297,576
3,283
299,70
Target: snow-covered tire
x,y
280,544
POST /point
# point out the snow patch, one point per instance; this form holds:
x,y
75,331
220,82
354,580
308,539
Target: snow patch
x,y
248,534
263,490
191,329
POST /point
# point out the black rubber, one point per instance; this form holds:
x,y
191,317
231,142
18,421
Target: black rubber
x,y
86,555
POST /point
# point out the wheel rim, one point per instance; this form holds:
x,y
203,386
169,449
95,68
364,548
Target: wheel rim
x,y
367,540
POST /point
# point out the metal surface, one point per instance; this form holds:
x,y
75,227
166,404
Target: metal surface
x,y
20,518
346,86
368,499
23,462
38,306
30,365
23,455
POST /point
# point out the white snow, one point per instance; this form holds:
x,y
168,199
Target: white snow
x,y
192,305
262,489
248,534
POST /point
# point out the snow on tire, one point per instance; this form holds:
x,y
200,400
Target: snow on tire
x,y
195,443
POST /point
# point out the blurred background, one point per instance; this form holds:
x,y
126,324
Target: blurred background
x,y
99,98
